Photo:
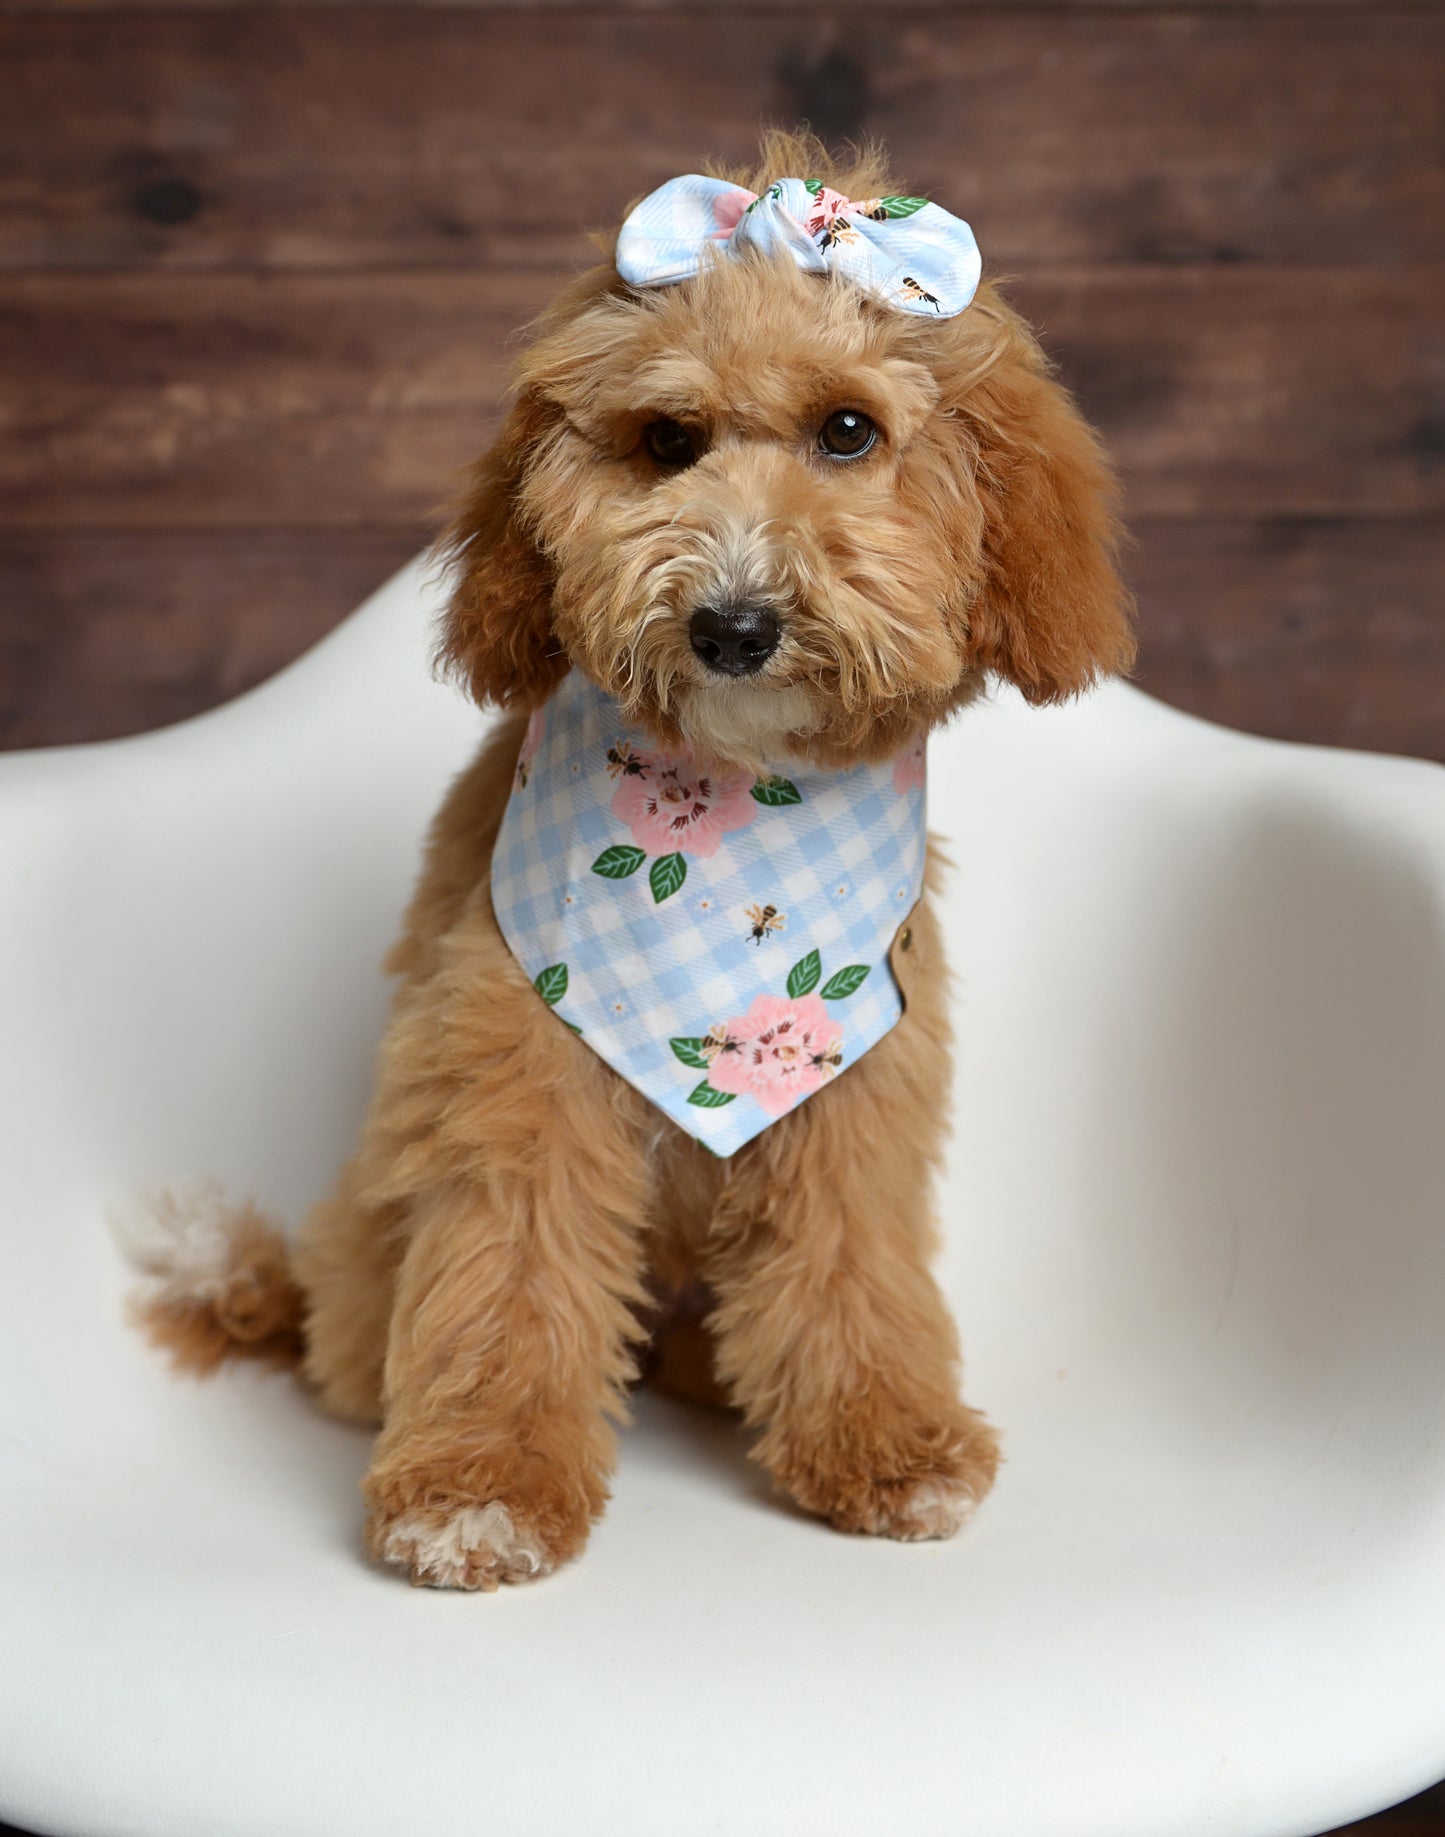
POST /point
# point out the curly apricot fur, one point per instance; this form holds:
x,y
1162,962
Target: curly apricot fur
x,y
481,1281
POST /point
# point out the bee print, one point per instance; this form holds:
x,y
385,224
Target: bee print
x,y
764,919
622,762
911,290
839,230
719,1041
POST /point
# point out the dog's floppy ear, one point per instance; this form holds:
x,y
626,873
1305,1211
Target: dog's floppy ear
x,y
497,637
1050,613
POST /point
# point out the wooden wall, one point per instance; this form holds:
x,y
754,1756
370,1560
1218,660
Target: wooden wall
x,y
259,266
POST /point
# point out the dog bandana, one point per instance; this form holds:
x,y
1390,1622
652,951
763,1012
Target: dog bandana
x,y
905,251
720,940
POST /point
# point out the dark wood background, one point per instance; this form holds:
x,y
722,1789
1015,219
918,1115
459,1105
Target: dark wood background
x,y
259,265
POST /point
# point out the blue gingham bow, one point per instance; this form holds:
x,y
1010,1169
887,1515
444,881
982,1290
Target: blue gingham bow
x,y
906,252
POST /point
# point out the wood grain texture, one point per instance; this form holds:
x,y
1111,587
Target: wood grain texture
x,y
223,401
482,139
661,8
104,635
1326,631
1252,390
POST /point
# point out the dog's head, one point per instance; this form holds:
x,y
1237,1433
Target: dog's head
x,y
774,516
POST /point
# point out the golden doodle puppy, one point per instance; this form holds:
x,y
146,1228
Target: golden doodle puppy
x,y
665,1080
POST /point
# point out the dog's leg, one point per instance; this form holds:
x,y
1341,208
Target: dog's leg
x,y
346,1261
349,1248
518,1295
509,1347
681,1361
832,1334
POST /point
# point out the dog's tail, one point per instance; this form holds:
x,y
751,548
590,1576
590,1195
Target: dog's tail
x,y
219,1280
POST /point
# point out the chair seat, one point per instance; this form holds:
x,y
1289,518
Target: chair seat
x,y
1193,1239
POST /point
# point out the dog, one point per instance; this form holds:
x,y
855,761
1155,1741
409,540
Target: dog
x,y
763,523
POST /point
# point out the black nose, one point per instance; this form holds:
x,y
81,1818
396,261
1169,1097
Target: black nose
x,y
734,640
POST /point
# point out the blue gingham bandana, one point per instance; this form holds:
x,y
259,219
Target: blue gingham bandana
x,y
720,940
906,252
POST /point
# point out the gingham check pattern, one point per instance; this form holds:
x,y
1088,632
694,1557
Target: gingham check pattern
x,y
924,262
844,865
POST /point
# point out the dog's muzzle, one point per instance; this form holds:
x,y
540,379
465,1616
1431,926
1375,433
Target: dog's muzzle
x,y
733,640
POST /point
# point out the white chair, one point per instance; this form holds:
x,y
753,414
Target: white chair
x,y
1194,1242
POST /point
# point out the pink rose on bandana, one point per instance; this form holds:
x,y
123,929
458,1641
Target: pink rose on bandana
x,y
728,210
910,768
531,740
780,1051
672,806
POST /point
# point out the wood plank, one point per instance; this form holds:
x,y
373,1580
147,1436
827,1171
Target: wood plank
x,y
103,635
474,139
663,7
1253,391
243,401
227,400
1322,631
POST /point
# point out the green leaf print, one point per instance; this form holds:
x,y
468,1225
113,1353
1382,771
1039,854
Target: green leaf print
x,y
775,792
812,187
690,1052
666,876
803,976
617,862
846,982
706,1098
901,207
551,984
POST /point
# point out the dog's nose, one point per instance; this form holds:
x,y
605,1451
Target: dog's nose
x,y
734,640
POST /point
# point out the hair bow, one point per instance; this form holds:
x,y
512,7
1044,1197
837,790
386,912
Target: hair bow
x,y
905,251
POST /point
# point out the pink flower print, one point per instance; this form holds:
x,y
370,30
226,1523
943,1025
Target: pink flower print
x,y
674,807
779,1052
910,768
827,204
531,740
727,212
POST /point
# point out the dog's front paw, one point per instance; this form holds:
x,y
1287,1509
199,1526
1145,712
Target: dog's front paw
x,y
908,1480
480,1546
479,1522
915,1511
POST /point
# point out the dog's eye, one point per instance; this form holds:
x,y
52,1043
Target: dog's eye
x,y
669,443
846,434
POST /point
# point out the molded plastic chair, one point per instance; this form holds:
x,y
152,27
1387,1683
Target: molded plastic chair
x,y
1194,1240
